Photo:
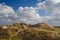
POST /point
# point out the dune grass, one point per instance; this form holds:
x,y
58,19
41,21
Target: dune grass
x,y
34,34
44,32
57,29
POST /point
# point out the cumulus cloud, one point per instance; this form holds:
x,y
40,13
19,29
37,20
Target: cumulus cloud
x,y
28,15
32,15
53,8
7,14
56,1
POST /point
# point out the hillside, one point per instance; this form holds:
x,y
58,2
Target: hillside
x,y
23,31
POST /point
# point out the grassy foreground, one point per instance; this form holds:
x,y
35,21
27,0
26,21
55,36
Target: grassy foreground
x,y
57,29
24,31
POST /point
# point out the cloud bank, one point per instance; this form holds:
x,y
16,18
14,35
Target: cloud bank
x,y
52,8
32,15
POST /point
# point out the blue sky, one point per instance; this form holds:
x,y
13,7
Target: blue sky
x,y
17,3
30,11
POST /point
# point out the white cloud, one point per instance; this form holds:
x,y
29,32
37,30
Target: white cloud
x,y
6,14
56,1
30,14
26,14
54,8
5,9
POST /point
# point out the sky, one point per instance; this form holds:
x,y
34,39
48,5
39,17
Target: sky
x,y
17,3
30,11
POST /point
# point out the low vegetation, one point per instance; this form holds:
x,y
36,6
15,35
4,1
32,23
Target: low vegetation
x,y
22,31
57,29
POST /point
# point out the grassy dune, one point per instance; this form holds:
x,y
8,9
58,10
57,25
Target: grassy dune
x,y
57,29
24,31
